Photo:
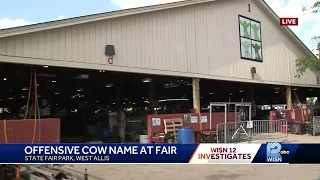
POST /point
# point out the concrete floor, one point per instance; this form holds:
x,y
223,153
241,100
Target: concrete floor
x,y
210,172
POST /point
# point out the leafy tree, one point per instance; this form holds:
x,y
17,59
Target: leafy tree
x,y
312,63
313,9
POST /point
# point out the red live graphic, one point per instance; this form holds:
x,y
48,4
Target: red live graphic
x,y
288,21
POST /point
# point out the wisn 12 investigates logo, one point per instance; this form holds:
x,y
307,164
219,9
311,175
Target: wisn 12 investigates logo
x,y
275,152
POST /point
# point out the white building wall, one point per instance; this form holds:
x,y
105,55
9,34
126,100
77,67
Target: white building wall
x,y
197,41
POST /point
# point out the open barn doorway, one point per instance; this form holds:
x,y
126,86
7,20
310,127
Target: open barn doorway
x,y
264,97
86,100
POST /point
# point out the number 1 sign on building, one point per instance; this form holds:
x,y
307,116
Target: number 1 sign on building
x,y
289,22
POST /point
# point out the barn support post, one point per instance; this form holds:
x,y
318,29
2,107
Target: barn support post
x,y
196,104
289,97
196,93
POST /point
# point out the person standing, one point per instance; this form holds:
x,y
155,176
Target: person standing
x,y
121,124
83,120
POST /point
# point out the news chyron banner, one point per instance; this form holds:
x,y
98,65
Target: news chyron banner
x,y
159,153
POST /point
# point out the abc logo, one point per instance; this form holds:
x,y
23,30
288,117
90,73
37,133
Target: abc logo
x,y
284,151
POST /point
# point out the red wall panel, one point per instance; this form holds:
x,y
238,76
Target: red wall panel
x,y
300,115
22,131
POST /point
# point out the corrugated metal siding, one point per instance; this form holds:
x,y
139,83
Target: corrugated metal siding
x,y
201,40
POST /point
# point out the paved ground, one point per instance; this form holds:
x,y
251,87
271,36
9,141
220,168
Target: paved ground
x,y
210,172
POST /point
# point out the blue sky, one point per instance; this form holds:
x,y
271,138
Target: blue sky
x,y
21,12
46,10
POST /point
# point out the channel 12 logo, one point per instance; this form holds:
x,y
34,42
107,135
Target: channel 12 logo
x,y
275,152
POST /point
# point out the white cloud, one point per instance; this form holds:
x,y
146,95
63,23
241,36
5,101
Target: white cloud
x,y
164,1
61,17
9,23
126,4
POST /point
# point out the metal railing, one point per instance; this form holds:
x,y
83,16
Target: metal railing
x,y
316,125
235,132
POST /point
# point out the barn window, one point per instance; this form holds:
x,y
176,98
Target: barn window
x,y
250,39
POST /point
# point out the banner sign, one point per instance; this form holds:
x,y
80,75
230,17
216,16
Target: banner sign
x,y
159,153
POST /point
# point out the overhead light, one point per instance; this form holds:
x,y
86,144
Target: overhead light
x,y
241,90
45,66
25,89
82,76
10,98
102,71
230,94
37,84
164,100
146,80
177,99
79,90
56,93
54,81
109,85
77,96
4,79
113,103
23,97
295,89
276,92
211,93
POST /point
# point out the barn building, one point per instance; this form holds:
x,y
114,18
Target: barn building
x,y
212,49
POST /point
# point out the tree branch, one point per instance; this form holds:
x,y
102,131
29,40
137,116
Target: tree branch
x,y
315,38
302,64
315,8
